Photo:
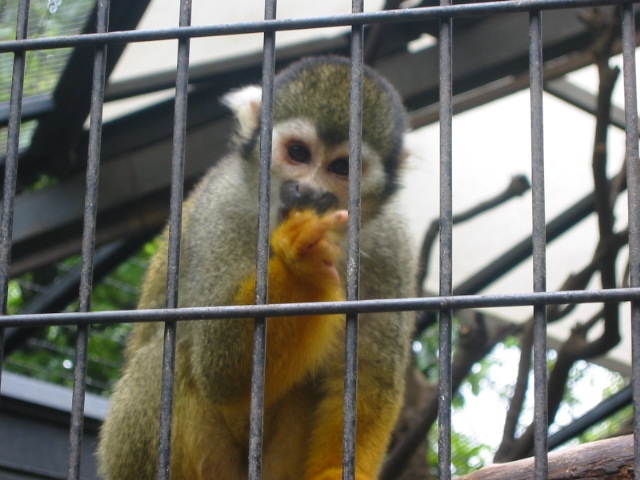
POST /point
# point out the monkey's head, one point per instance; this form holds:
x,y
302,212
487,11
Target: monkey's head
x,y
310,160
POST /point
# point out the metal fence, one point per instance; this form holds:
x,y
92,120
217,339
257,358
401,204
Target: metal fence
x,y
444,303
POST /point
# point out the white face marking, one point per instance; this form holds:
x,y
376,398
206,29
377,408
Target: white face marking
x,y
300,155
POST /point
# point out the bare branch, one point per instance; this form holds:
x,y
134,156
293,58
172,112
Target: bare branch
x,y
474,344
518,185
503,453
580,280
603,260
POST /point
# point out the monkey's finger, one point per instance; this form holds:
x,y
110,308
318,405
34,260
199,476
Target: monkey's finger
x,y
341,216
335,219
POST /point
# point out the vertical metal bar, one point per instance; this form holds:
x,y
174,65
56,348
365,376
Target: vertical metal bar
x,y
256,422
11,163
633,195
353,257
539,247
88,242
446,245
175,230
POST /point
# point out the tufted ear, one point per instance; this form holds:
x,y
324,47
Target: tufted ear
x,y
245,104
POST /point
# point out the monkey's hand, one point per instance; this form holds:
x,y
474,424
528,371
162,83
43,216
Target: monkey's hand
x,y
308,244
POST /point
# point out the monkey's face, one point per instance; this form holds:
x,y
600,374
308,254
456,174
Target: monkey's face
x,y
311,116
311,172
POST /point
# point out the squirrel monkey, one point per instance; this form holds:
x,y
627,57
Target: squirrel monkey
x,y
305,355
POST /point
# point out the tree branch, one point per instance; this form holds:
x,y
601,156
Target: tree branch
x,y
603,460
518,185
518,397
474,344
603,260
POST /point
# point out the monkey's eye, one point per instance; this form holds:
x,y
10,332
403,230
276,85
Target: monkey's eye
x,y
340,166
299,153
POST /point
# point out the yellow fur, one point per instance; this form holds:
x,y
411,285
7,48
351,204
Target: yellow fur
x,y
302,269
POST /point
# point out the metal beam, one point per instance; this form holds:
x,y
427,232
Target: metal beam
x,y
32,107
133,190
34,429
65,289
485,52
580,98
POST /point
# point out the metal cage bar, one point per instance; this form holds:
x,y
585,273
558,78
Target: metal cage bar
x,y
633,195
262,252
88,243
446,245
436,303
346,20
539,246
11,164
175,227
353,262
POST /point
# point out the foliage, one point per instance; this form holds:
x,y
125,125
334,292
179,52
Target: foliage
x,y
490,382
426,353
467,454
50,355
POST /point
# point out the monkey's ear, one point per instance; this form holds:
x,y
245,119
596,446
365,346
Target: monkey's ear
x,y
245,104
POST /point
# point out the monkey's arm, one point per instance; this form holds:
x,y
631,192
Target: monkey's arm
x,y
381,363
377,411
383,351
302,269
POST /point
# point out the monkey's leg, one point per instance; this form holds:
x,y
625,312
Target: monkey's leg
x,y
377,411
287,431
205,440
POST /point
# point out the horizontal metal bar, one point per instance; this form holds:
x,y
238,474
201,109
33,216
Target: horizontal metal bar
x,y
325,308
262,26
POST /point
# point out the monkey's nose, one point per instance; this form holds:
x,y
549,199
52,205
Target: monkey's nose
x,y
294,194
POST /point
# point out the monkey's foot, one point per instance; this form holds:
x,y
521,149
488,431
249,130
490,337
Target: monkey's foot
x,y
308,242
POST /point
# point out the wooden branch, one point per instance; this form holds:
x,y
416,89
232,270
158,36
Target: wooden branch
x,y
610,459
